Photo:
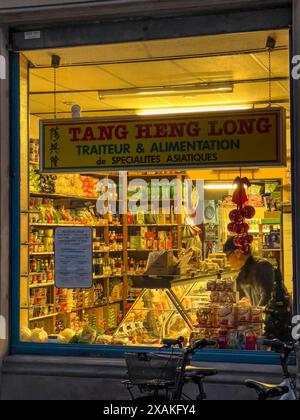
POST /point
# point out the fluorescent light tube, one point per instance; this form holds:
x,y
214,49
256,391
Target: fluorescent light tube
x,y
172,111
177,90
220,187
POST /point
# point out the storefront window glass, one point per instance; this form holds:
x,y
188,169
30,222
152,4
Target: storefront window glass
x,y
196,287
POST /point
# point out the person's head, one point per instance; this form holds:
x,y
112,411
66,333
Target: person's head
x,y
235,257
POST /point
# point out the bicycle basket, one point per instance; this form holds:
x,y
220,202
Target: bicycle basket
x,y
143,367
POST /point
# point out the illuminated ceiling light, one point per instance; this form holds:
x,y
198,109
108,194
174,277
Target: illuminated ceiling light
x,y
171,111
219,187
177,90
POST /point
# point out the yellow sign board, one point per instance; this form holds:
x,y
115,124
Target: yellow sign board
x,y
206,140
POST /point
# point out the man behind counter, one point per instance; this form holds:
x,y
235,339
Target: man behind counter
x,y
256,278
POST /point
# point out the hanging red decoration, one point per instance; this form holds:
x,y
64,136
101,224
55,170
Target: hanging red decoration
x,y
240,197
238,217
231,227
249,212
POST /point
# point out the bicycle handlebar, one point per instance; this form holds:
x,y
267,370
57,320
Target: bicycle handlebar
x,y
273,343
202,344
279,345
172,343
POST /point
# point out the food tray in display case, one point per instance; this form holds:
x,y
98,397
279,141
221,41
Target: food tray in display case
x,y
165,312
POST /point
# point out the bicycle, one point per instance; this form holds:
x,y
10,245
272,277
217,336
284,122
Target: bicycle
x,y
286,391
172,385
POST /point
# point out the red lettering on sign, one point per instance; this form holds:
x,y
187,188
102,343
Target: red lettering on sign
x,y
213,129
121,132
161,131
74,131
246,126
88,135
230,127
193,129
263,125
106,132
177,130
144,131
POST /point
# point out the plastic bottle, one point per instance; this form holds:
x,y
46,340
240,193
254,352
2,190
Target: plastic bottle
x,y
241,338
129,218
223,339
132,265
101,267
251,340
233,342
140,218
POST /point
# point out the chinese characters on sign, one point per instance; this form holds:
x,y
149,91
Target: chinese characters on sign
x,y
54,147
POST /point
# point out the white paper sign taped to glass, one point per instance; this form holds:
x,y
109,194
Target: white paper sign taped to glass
x,y
73,258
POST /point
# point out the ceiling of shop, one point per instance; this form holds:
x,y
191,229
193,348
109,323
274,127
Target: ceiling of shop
x,y
239,58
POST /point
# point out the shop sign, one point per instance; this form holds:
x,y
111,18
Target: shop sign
x,y
208,140
73,257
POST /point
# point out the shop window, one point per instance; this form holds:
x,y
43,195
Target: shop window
x,y
122,308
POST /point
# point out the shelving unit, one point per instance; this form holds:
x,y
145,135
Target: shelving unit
x,y
38,285
266,228
43,317
63,197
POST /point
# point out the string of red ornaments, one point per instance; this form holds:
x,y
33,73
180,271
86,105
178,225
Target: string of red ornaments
x,y
238,224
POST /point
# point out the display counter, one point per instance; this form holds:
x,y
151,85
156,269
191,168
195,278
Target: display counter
x,y
202,305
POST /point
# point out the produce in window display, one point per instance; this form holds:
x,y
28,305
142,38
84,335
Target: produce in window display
x,y
65,336
39,335
25,335
86,336
35,335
